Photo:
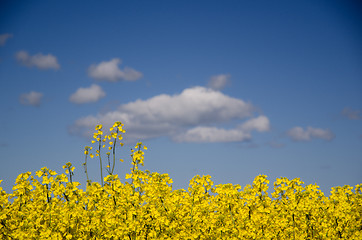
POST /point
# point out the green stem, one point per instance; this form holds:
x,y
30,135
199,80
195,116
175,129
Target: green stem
x,y
70,174
293,227
100,160
192,208
85,169
232,217
114,152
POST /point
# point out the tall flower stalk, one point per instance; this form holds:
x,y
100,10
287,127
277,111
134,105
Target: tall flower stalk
x,y
115,134
98,138
86,153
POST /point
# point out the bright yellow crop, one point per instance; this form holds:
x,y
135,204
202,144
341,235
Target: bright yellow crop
x,y
52,206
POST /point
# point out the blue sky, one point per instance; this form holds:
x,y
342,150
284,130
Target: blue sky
x,y
231,89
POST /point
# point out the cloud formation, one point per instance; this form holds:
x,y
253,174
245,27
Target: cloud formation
x,y
87,95
38,60
191,116
351,114
213,134
218,82
33,98
4,37
299,134
109,71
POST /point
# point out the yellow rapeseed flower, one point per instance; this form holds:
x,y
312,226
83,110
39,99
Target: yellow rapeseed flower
x,y
146,206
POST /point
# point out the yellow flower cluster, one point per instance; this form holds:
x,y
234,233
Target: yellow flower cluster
x,y
145,206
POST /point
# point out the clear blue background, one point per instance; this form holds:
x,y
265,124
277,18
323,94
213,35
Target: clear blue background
x,y
298,62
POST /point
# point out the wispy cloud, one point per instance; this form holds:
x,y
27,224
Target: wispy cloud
x,y
218,82
87,95
4,38
110,71
299,134
275,144
33,98
194,115
351,114
38,60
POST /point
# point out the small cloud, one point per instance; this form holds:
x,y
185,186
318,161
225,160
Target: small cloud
x,y
260,124
4,37
38,60
218,82
109,71
299,134
32,98
351,114
87,95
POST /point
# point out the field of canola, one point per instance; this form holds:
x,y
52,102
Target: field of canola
x,y
52,206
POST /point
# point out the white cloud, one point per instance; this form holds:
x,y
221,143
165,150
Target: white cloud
x,y
218,82
109,71
299,134
188,116
87,95
38,60
260,124
212,134
33,98
351,114
4,37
